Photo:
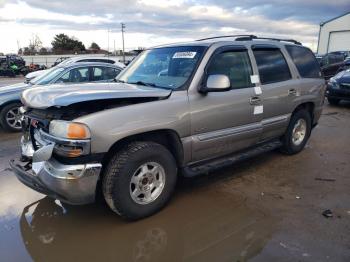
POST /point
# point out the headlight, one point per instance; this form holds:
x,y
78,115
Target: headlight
x,y
333,84
70,130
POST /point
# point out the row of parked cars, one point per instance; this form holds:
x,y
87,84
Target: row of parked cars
x,y
335,67
70,71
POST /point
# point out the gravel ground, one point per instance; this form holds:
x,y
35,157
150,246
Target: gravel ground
x,y
265,209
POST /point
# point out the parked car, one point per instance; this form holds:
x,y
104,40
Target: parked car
x,y
10,102
331,64
79,59
176,109
338,88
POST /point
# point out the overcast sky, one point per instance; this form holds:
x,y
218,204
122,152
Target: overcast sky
x,y
152,22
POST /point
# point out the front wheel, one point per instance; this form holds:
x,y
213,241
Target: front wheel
x,y
298,132
139,180
11,118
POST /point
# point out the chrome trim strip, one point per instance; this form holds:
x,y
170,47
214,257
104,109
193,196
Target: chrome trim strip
x,y
229,131
275,120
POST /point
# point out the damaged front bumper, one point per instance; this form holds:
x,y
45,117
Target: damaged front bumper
x,y
73,184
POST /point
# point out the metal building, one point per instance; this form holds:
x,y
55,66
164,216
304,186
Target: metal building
x,y
334,35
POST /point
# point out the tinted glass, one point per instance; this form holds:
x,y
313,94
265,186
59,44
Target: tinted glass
x,y
168,67
272,66
305,61
75,75
235,64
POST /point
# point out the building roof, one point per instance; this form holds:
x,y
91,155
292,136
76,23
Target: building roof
x,y
330,20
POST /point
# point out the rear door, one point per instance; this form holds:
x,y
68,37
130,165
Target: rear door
x,y
104,73
224,122
278,89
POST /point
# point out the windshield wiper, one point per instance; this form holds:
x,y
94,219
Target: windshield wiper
x,y
118,81
141,83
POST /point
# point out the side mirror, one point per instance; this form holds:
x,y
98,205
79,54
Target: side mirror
x,y
217,83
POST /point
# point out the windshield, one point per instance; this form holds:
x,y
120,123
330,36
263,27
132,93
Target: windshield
x,y
47,77
168,67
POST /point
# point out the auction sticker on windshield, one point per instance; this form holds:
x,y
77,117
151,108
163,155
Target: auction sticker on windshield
x,y
184,55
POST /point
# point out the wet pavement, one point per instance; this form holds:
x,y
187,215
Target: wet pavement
x,y
265,209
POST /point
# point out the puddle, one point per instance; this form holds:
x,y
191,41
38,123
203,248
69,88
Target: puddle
x,y
197,226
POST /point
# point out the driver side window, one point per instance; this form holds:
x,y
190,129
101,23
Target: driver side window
x,y
234,64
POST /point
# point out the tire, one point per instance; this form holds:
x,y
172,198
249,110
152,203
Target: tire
x,y
126,167
293,146
5,122
333,101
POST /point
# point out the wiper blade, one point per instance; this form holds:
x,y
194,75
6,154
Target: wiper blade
x,y
141,83
118,81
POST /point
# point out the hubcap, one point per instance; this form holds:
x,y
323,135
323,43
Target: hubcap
x,y
147,183
14,118
299,132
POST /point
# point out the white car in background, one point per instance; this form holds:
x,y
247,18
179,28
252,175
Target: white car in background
x,y
77,59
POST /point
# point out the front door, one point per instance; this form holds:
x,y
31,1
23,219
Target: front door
x,y
225,122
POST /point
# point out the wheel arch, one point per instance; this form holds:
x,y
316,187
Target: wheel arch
x,y
166,137
308,106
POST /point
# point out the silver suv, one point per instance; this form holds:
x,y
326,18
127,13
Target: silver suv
x,y
182,109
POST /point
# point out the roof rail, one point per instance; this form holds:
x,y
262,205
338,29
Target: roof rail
x,y
251,37
248,38
225,36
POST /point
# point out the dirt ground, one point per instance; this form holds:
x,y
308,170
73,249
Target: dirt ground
x,y
265,209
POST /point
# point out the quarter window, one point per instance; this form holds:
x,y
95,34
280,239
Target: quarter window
x,y
305,61
272,66
235,64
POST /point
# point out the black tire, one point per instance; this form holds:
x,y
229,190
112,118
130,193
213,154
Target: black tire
x,y
289,147
3,115
333,101
121,168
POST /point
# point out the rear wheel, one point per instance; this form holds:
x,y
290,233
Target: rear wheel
x,y
139,180
10,117
298,132
333,101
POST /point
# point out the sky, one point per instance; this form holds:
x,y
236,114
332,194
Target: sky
x,y
154,22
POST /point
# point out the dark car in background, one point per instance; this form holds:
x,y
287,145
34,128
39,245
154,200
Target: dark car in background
x,y
338,88
332,63
10,102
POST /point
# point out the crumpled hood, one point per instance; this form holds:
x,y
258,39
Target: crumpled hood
x,y
65,95
13,88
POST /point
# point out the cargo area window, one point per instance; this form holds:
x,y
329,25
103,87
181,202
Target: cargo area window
x,y
305,61
235,64
272,65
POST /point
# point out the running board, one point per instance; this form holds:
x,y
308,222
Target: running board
x,y
203,168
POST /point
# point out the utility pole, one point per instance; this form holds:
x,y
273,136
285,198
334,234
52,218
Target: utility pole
x,y
108,43
123,27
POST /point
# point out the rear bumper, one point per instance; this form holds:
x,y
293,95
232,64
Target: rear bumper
x,y
73,184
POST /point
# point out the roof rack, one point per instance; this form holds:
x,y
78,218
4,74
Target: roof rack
x,y
247,38
251,37
224,36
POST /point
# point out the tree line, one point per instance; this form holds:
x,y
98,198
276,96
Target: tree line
x,y
61,44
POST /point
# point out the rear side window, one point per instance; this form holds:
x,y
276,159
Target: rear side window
x,y
235,64
305,61
272,66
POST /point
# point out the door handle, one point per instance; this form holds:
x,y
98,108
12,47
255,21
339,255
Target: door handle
x,y
292,92
255,100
